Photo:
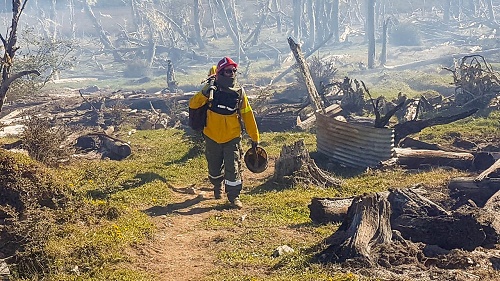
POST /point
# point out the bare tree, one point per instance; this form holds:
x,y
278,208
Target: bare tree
x,y
370,25
197,23
297,18
335,19
10,48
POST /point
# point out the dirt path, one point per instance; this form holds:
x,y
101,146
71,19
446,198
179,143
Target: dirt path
x,y
181,247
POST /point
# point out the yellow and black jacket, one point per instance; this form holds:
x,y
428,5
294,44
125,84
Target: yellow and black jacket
x,y
223,122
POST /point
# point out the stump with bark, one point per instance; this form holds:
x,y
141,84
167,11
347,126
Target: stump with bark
x,y
366,224
295,165
398,217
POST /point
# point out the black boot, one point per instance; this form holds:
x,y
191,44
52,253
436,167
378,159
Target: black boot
x,y
218,191
233,195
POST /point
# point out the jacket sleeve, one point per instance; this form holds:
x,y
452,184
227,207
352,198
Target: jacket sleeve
x,y
199,99
249,119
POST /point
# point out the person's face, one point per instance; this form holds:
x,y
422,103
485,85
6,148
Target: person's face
x,y
229,71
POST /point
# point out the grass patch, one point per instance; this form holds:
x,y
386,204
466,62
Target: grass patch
x,y
106,215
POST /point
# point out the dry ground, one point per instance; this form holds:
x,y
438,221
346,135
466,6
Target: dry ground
x,y
183,247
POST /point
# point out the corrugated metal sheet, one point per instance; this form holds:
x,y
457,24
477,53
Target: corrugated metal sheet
x,y
353,145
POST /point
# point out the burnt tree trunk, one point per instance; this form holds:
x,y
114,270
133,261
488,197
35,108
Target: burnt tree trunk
x,y
231,27
102,33
304,69
295,163
171,82
367,224
400,215
404,129
335,19
256,32
370,33
383,52
10,48
197,24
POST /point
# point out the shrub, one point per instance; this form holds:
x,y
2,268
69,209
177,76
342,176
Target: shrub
x,y
43,140
28,198
406,34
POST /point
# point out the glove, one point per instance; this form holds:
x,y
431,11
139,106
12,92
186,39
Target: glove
x,y
206,90
254,145
212,87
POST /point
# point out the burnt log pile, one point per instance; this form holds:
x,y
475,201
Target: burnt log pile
x,y
404,223
109,147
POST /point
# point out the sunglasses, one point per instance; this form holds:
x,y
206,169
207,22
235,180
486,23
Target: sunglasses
x,y
230,71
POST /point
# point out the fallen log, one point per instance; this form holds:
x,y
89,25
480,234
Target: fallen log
x,y
408,142
467,190
413,158
442,60
328,210
118,148
111,147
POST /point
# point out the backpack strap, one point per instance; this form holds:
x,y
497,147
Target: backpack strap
x,y
241,94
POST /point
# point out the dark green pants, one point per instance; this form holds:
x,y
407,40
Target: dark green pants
x,y
224,165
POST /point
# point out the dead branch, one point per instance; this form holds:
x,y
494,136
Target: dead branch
x,y
484,175
404,129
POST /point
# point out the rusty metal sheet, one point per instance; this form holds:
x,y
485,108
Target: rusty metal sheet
x,y
351,144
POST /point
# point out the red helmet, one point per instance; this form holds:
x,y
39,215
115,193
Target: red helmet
x,y
224,62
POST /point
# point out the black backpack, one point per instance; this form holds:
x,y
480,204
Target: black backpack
x,y
198,118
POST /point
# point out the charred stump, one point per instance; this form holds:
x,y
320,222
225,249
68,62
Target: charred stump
x,y
470,191
420,220
367,224
295,163
398,217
